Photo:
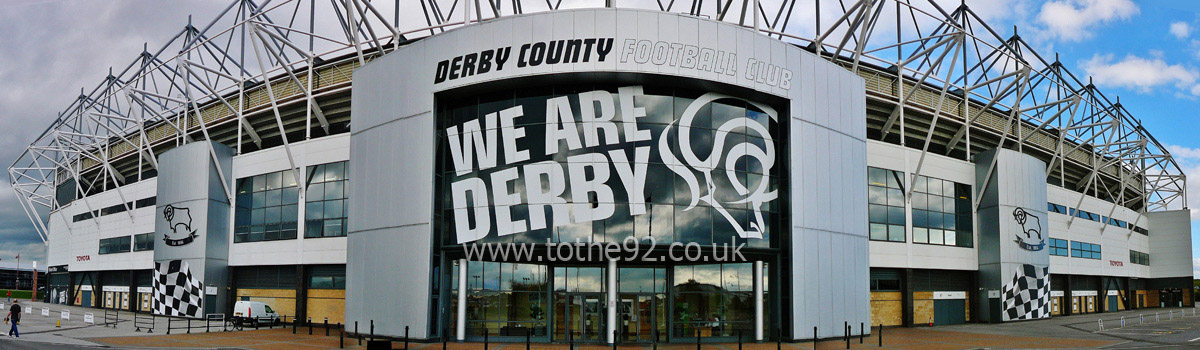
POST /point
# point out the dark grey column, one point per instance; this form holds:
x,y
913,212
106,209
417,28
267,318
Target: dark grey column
x,y
301,293
906,297
1070,300
132,294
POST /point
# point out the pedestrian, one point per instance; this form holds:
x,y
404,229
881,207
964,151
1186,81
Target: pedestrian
x,y
14,315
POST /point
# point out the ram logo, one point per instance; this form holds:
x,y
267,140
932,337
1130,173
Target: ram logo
x,y
1031,227
733,191
179,219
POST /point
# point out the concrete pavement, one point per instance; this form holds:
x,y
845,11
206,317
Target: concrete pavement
x,y
1175,328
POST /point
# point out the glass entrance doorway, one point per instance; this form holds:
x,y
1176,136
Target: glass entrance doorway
x,y
580,315
641,317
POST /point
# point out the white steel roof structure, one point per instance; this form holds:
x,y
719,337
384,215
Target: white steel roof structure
x,y
206,83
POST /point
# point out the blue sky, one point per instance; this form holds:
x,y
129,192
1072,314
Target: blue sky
x,y
1148,53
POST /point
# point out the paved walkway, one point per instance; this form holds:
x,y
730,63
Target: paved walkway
x,y
895,338
1060,332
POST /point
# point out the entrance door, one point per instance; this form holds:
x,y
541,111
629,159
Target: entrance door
x,y
639,317
582,314
949,311
1113,304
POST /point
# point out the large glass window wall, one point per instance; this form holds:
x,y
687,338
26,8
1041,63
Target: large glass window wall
x,y
506,299
569,302
669,214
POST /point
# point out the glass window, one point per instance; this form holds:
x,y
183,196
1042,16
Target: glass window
x,y
1139,258
713,300
143,242
506,299
327,277
1085,250
1057,208
945,216
1058,247
886,204
885,280
325,201
115,245
266,207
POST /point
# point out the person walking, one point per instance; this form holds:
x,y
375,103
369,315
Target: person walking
x,y
14,316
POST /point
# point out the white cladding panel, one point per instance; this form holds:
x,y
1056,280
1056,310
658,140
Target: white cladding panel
x,y
1171,248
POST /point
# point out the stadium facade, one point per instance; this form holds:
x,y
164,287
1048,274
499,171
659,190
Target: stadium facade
x,y
606,174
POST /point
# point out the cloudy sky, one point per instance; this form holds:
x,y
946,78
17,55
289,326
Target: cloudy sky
x,y
1148,53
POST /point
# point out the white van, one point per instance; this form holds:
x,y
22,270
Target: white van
x,y
254,312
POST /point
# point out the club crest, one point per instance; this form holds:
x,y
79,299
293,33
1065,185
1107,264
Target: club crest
x,y
180,221
1030,238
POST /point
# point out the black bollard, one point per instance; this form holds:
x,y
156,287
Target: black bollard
x,y
615,334
814,337
326,324
189,326
309,323
405,337
697,338
571,341
356,333
341,336
739,339
485,338
528,333
847,337
372,329
881,335
861,334
444,341
294,326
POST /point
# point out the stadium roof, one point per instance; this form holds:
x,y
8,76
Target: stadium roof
x,y
966,88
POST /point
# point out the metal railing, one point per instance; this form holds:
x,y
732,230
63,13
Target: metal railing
x,y
143,321
111,317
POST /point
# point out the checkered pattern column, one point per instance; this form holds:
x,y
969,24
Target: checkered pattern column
x,y
1027,296
176,291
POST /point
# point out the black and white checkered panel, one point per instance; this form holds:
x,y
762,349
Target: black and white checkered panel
x,y
176,291
1027,296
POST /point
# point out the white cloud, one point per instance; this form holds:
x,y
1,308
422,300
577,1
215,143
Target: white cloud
x,y
1141,74
1196,268
1181,30
1073,20
1189,163
1181,152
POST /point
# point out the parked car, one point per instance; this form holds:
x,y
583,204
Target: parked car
x,y
254,313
